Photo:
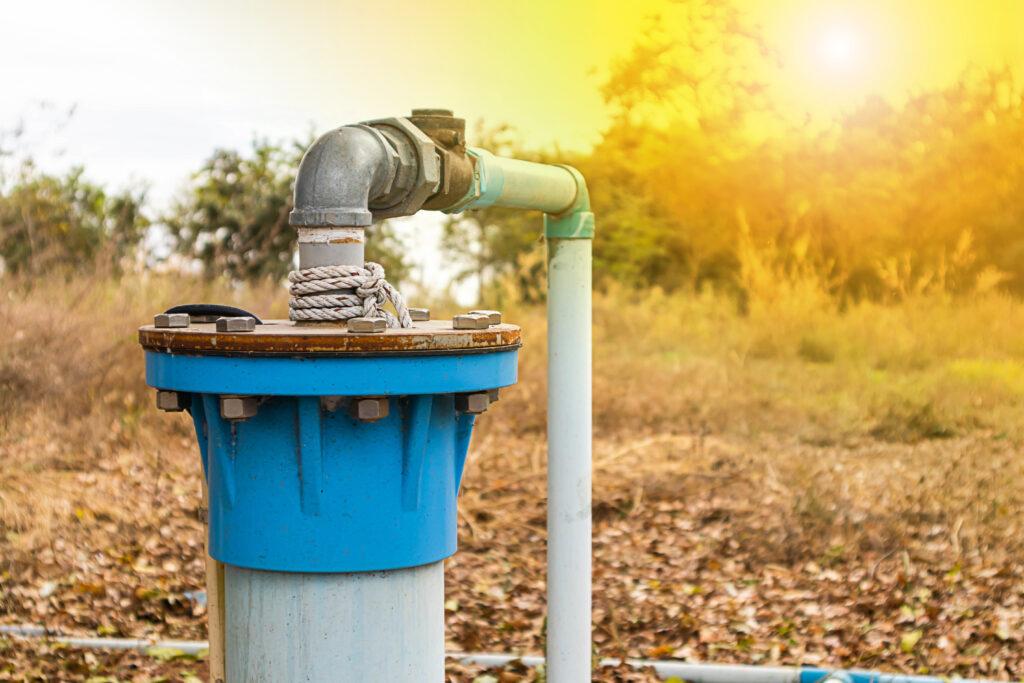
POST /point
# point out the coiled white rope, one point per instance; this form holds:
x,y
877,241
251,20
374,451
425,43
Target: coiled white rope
x,y
308,301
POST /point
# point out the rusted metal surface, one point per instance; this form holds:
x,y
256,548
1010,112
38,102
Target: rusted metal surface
x,y
283,337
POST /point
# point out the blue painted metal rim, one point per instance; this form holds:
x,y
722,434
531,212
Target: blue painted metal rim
x,y
331,376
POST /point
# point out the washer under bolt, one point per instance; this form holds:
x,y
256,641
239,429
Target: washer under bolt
x,y
419,315
472,404
471,321
493,316
238,407
170,320
371,325
171,401
240,324
369,409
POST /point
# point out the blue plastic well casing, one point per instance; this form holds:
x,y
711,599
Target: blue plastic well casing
x,y
303,486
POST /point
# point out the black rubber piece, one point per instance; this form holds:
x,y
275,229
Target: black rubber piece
x,y
218,310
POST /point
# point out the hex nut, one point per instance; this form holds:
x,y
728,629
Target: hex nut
x,y
238,407
370,325
493,395
472,404
419,315
493,316
163,320
171,401
419,168
369,409
239,324
471,321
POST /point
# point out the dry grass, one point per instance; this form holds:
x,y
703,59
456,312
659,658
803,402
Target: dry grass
x,y
73,398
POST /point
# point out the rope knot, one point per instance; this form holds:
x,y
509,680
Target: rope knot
x,y
314,296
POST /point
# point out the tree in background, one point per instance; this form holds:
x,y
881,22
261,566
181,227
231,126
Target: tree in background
x,y
234,216
50,222
700,164
661,176
702,170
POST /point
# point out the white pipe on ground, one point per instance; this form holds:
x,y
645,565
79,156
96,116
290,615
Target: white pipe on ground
x,y
696,672
693,673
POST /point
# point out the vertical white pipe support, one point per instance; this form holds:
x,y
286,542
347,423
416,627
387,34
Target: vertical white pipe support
x,y
322,628
569,460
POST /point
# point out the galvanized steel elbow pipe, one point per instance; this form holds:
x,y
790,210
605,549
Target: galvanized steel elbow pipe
x,y
338,176
353,175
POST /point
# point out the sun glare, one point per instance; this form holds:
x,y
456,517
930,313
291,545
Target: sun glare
x,y
839,48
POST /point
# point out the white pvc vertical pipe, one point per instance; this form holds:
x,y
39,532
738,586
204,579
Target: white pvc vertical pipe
x,y
569,461
385,626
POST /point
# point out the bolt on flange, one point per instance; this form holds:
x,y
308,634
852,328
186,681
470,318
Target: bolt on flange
x,y
238,407
419,315
367,325
471,321
171,401
165,320
239,324
472,404
494,317
371,409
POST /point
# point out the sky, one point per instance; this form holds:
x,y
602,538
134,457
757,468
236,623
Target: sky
x,y
157,85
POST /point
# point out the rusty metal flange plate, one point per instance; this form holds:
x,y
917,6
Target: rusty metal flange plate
x,y
283,337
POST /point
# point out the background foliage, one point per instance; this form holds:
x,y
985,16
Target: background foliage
x,y
50,222
699,163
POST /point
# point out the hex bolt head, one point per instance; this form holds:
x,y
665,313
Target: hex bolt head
x,y
238,407
369,409
163,320
367,325
472,404
419,315
240,324
471,321
493,316
171,401
493,395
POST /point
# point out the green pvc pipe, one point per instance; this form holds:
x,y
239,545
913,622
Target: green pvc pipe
x,y
511,183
